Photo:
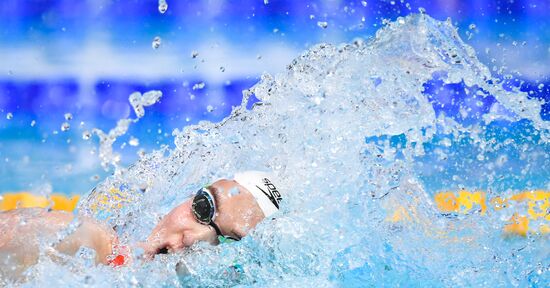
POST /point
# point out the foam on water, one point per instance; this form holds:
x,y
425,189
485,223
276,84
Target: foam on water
x,y
312,128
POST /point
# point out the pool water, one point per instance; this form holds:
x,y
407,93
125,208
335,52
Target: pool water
x,y
359,139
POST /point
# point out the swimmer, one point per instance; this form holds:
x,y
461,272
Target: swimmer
x,y
223,211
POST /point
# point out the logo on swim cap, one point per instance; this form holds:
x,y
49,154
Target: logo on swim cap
x,y
273,194
260,185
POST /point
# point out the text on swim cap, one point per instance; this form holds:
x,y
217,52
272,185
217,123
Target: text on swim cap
x,y
273,194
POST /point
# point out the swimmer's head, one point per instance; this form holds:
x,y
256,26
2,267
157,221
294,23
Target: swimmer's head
x,y
237,206
223,208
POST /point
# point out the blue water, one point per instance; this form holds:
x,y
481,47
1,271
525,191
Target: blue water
x,y
354,132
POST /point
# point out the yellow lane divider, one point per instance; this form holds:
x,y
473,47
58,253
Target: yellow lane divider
x,y
462,202
528,212
10,201
537,203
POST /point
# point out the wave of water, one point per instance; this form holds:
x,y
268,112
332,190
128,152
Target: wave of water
x,y
344,129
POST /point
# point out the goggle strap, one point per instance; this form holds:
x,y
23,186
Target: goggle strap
x,y
220,235
218,231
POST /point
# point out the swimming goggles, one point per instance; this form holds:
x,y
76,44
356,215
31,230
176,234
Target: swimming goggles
x,y
204,210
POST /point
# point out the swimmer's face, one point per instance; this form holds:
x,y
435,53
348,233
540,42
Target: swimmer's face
x,y
237,213
177,230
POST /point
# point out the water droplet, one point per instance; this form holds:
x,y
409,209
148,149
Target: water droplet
x,y
209,108
163,6
322,24
501,160
156,42
198,86
358,42
472,26
134,281
116,158
143,187
133,141
33,123
222,69
192,96
89,280
234,191
150,97
65,126
68,116
139,101
266,2
258,57
9,116
311,16
86,135
541,85
364,3
422,10
141,153
194,54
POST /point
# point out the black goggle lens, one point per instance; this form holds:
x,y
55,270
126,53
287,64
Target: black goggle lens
x,y
203,207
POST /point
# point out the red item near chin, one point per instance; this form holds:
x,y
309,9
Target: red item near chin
x,y
119,260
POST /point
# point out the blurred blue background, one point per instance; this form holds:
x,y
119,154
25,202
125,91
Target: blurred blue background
x,y
85,58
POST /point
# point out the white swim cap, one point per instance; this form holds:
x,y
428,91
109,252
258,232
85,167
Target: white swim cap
x,y
261,186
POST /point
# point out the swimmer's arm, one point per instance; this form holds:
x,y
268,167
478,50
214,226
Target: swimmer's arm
x,y
92,235
22,241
